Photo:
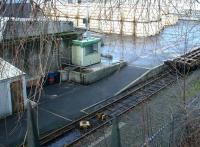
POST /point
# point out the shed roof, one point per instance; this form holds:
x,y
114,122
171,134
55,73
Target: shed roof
x,y
7,70
86,41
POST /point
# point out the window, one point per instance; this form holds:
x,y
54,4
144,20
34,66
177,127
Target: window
x,y
90,49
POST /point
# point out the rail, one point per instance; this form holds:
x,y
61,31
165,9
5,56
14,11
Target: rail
x,y
116,106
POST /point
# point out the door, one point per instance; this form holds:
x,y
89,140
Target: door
x,y
17,96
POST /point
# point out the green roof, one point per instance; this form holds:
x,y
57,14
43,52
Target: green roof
x,y
86,42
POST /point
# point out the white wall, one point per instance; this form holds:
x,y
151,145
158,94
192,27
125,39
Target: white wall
x,y
77,55
5,96
5,99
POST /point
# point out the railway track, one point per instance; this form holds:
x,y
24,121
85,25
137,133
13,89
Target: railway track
x,y
103,113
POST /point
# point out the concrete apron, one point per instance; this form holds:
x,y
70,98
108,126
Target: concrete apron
x,y
148,74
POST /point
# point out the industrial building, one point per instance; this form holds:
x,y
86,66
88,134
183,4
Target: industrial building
x,y
91,71
86,51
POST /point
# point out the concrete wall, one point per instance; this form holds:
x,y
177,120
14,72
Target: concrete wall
x,y
93,76
169,19
38,51
97,75
5,95
148,29
179,6
65,50
18,28
49,57
185,9
142,19
37,56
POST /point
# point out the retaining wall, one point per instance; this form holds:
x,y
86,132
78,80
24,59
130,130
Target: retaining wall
x,y
93,76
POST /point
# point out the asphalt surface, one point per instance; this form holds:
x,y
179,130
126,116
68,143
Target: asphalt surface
x,y
61,103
